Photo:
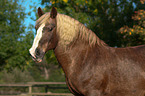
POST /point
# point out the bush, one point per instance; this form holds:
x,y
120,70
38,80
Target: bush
x,y
15,76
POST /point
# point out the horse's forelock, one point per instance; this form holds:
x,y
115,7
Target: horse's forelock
x,y
43,19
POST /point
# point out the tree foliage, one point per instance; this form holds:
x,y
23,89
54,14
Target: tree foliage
x,y
104,17
134,35
14,42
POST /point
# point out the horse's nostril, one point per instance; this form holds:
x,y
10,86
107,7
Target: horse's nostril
x,y
37,51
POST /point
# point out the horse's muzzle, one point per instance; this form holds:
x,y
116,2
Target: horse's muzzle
x,y
37,55
36,59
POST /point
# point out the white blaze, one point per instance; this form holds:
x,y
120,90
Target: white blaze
x,y
36,40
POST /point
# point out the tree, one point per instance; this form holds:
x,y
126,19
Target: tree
x,y
14,42
134,35
104,17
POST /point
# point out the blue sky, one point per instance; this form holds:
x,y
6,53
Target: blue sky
x,y
26,4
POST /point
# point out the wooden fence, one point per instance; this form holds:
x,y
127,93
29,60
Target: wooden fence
x,y
31,85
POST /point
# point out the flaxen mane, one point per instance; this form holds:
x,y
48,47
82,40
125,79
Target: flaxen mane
x,y
69,29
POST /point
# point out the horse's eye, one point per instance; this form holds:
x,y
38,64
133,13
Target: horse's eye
x,y
50,29
47,29
44,29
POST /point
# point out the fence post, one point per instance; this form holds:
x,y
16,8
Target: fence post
x,y
46,88
30,90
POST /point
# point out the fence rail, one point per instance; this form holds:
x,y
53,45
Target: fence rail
x,y
30,86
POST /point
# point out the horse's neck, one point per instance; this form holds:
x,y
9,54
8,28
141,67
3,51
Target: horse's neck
x,y
74,56
66,56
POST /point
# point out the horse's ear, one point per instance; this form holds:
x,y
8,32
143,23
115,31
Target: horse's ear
x,y
53,13
40,12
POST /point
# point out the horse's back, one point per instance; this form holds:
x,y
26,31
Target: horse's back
x,y
141,49
135,54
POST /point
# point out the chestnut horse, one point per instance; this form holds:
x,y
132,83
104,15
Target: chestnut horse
x,y
91,67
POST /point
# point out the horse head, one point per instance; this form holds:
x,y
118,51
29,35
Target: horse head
x,y
45,38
